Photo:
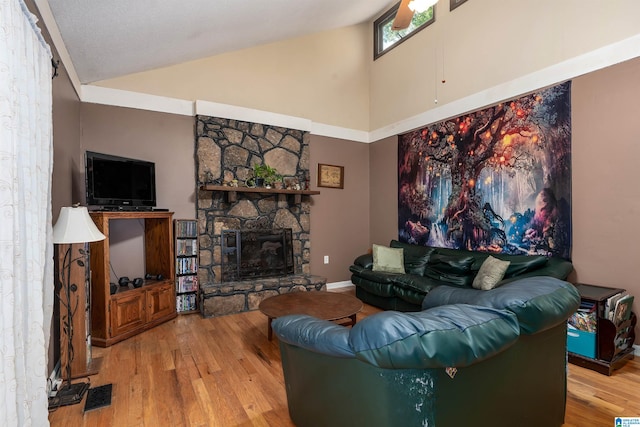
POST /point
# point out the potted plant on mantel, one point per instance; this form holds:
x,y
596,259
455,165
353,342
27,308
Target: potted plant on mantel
x,y
265,175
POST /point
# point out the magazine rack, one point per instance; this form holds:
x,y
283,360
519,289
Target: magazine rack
x,y
614,343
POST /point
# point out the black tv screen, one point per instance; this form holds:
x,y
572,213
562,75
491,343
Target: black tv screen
x,y
119,182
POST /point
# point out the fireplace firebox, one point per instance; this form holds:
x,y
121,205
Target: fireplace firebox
x,y
248,254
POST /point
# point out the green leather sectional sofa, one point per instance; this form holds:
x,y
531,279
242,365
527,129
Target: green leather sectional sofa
x,y
427,268
468,358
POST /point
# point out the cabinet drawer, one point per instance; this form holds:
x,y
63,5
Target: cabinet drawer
x,y
581,342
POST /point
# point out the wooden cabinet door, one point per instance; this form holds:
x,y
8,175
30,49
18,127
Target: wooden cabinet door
x,y
127,312
161,302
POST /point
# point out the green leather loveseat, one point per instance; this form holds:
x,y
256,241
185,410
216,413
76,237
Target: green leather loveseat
x,y
427,268
469,358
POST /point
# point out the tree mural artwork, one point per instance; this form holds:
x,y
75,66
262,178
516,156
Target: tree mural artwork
x,y
495,180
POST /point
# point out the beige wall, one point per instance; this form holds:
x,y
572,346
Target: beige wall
x,y
330,77
339,217
298,77
485,43
383,180
606,196
66,142
166,140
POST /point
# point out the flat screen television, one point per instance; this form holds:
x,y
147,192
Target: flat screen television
x,y
114,182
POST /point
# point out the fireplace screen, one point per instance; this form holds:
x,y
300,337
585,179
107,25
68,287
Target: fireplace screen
x,y
250,254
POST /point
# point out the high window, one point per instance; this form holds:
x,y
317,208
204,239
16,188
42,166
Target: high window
x,y
386,39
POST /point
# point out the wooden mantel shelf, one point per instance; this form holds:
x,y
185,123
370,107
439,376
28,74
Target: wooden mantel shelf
x,y
232,192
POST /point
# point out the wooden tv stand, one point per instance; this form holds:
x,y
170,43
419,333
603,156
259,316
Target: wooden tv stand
x,y
132,310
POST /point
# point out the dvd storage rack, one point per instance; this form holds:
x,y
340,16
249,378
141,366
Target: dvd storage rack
x,y
186,248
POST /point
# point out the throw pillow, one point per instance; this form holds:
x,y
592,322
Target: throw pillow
x,y
388,260
491,272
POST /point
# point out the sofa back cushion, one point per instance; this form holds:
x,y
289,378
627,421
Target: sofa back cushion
x,y
452,336
415,257
520,264
452,269
539,302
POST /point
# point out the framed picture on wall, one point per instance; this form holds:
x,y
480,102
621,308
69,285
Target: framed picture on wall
x,y
330,176
455,3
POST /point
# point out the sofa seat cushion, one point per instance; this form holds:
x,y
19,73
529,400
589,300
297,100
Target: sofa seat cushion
x,y
412,296
452,336
417,283
377,283
527,298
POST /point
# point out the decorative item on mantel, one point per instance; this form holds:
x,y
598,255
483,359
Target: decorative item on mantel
x,y
265,179
265,175
232,192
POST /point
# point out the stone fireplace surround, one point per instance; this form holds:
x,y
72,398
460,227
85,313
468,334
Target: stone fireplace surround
x,y
225,150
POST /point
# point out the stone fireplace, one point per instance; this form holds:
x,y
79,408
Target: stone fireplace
x,y
226,151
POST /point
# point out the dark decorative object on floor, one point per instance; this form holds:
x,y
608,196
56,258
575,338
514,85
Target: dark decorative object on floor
x,y
98,397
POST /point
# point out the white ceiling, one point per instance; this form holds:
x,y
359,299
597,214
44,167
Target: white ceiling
x,y
111,38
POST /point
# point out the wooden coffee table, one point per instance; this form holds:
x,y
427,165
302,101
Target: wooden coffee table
x,y
323,305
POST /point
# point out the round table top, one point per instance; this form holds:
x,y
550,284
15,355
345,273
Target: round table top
x,y
323,305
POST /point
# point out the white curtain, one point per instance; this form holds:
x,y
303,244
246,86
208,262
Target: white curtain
x,y
26,250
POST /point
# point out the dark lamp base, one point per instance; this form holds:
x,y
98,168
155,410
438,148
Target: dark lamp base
x,y
69,394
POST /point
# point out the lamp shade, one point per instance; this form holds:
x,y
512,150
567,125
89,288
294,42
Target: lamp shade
x,y
74,225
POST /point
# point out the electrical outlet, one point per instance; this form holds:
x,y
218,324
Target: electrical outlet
x,y
326,259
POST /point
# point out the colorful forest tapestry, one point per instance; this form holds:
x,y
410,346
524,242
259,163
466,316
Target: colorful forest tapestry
x,y
496,180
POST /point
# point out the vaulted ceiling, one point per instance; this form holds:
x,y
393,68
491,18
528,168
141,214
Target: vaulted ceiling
x,y
107,39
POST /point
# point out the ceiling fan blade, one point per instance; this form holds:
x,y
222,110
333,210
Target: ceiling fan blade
x,y
403,18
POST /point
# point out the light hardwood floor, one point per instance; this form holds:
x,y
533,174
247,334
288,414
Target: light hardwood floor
x,y
224,372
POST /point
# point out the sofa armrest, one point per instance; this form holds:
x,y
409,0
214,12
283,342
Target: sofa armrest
x,y
364,261
451,336
555,267
310,333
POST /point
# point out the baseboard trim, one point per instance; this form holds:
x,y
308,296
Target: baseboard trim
x,y
339,285
636,350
